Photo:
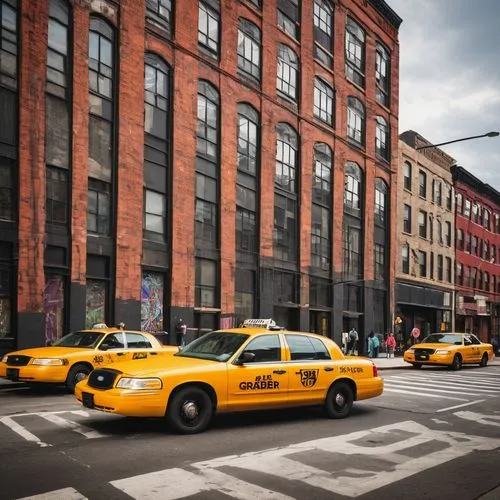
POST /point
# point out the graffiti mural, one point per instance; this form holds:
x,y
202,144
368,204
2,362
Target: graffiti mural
x,y
5,307
53,307
152,302
96,303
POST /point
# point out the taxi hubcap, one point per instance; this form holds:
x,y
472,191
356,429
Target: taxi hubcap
x,y
339,399
190,410
80,376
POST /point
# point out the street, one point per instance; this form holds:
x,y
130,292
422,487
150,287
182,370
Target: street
x,y
434,434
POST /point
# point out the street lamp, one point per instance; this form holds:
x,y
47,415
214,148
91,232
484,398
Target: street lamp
x,y
488,134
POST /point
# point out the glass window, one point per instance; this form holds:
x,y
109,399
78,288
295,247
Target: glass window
x,y
448,233
286,158
320,238
137,341
407,219
7,185
285,226
382,139
467,209
288,69
460,239
323,28
8,44
208,117
407,175
249,49
288,17
160,12
56,204
323,101
460,201
53,306
267,348
352,189
422,224
449,193
206,279
155,212
439,231
57,48
208,29
355,120
57,132
405,259
382,74
422,184
353,256
98,209
380,202
355,53
440,267
422,261
322,174
301,348
379,261
486,219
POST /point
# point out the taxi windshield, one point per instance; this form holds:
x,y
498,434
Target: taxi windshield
x,y
79,339
443,338
215,346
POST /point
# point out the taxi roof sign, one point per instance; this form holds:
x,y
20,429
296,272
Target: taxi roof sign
x,y
259,323
99,326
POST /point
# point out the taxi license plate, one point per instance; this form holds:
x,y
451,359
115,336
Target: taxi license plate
x,y
88,400
13,373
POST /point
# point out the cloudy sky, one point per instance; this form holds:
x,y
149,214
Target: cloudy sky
x,y
450,77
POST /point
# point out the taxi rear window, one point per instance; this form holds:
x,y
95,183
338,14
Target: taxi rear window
x,y
215,346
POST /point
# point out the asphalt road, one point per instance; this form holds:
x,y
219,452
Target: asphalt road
x,y
434,434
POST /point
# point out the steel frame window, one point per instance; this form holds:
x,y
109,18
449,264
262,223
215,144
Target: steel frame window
x,y
379,261
380,201
160,11
288,17
56,195
382,74
382,138
57,49
208,29
405,259
352,189
99,208
249,45
287,72
355,120
355,53
323,101
323,28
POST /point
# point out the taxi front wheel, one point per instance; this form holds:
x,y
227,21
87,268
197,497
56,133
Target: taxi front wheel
x,y
77,372
338,402
189,411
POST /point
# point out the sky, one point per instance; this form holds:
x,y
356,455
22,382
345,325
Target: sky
x,y
450,78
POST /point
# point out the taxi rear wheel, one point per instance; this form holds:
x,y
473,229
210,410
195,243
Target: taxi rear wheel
x,y
338,402
457,362
484,360
77,372
190,411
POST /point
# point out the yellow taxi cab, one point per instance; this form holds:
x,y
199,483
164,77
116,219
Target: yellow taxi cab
x,y
72,357
450,349
258,366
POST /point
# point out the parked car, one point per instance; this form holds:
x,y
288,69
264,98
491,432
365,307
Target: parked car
x,y
256,367
72,357
450,349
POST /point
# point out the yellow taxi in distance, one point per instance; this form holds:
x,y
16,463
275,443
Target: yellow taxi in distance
x,y
450,349
258,366
72,357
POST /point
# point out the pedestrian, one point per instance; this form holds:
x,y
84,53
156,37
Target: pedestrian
x,y
391,345
180,332
371,343
353,340
376,345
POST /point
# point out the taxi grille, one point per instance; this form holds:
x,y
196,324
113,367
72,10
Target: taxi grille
x,y
17,360
424,351
102,379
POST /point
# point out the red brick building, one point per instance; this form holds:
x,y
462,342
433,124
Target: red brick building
x,y
151,170
477,257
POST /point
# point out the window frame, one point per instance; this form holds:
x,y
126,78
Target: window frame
x,y
356,121
248,67
287,88
209,45
355,52
324,102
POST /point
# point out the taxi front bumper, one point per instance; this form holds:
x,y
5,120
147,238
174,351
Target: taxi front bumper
x,y
431,359
34,373
139,403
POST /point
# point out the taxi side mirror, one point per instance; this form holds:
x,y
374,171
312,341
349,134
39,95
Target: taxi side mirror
x,y
104,347
245,357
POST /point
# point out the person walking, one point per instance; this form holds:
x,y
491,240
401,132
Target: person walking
x,y
376,345
391,345
180,332
353,340
371,345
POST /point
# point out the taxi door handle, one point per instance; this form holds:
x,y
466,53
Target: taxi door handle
x,y
120,353
279,372
328,369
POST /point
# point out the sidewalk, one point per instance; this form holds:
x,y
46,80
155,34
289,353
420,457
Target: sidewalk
x,y
397,363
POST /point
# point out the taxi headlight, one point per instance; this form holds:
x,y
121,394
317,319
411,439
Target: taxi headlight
x,y
139,383
442,352
4,359
50,362
410,350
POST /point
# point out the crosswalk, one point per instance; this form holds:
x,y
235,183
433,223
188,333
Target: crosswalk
x,y
462,387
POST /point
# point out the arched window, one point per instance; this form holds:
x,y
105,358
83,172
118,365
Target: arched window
x,y
382,138
355,120
355,53
381,191
249,40
382,74
323,101
288,69
286,157
352,189
323,27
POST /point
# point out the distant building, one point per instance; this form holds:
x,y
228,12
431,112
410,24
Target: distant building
x,y
206,160
477,255
426,254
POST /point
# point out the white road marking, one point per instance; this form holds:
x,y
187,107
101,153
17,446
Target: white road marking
x,y
69,424
24,433
64,494
444,383
416,385
478,417
437,421
418,393
461,406
487,381
285,463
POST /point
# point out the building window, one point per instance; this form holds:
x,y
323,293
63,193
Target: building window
x,y
323,101
379,260
459,278
353,256
431,259
56,195
437,195
156,146
355,120
8,48
467,209
244,293
206,283
152,301
99,208
460,203
247,182
355,53
208,27
474,245
486,282
407,176
323,28
422,262
472,277
407,219
447,235
422,224
486,219
322,206
289,17
352,189
286,202
440,267
449,194
493,254
475,212
422,184
382,74
249,49
380,202
439,231
480,280
468,240
382,139
460,239
288,68
160,13
57,49
405,259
